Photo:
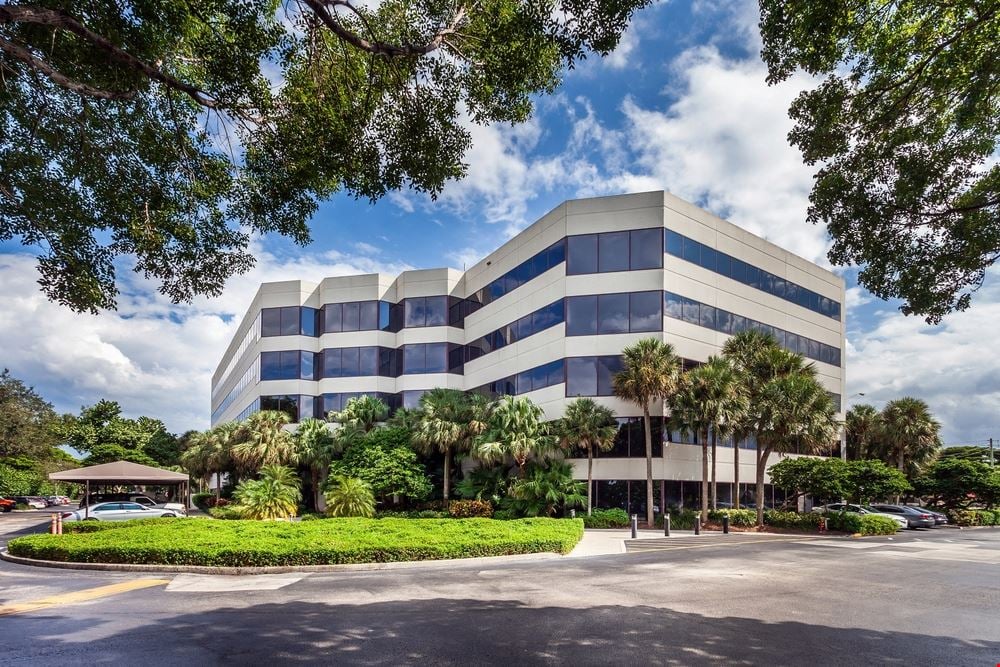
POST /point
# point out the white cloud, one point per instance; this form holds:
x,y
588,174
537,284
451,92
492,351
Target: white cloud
x,y
366,248
623,54
154,358
465,257
857,296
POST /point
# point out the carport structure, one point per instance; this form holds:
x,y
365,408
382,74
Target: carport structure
x,y
122,473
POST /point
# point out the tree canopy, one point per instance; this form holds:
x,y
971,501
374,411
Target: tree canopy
x,y
173,131
26,419
101,432
904,125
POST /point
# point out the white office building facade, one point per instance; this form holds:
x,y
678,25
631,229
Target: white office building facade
x,y
545,316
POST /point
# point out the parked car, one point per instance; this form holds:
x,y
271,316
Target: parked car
x,y
118,512
940,518
6,504
30,501
858,509
914,517
57,500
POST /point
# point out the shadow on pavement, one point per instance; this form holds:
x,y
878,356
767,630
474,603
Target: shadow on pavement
x,y
468,632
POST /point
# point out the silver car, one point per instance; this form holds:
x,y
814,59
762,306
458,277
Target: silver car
x,y
118,511
858,509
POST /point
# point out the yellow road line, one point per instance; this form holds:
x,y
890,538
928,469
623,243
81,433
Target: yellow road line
x,y
79,596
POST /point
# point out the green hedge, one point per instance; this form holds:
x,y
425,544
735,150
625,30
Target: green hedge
x,y
974,517
606,518
95,526
872,524
779,519
741,517
331,541
679,519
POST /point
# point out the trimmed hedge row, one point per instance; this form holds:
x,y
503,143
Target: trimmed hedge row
x,y
975,517
843,521
606,518
333,541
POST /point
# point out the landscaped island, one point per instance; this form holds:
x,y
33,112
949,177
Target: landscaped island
x,y
325,542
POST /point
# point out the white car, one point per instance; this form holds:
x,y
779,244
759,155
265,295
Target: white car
x,y
119,511
858,509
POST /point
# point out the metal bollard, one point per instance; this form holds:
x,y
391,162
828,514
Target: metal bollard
x,y
635,526
697,525
666,525
572,514
725,524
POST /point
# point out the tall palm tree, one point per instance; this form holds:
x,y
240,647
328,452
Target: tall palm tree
x,y
362,411
264,441
649,374
863,426
316,446
448,424
909,434
220,443
587,425
195,457
515,430
796,414
745,350
407,419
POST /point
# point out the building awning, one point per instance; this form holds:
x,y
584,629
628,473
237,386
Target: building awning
x,y
121,472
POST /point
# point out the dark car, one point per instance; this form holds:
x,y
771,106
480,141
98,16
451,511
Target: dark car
x,y
914,518
940,518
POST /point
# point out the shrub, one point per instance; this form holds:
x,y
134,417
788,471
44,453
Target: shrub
x,y
255,543
741,517
312,516
274,496
467,509
504,515
680,519
872,524
793,520
607,518
548,489
974,517
349,496
200,500
21,506
228,512
847,522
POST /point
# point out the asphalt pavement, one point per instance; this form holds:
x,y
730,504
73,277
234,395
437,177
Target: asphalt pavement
x,y
925,598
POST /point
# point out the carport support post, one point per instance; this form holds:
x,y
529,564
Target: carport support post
x,y
86,507
666,524
635,525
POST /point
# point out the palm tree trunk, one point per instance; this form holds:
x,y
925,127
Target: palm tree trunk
x,y
315,485
218,486
714,487
590,475
650,518
761,467
704,476
447,473
736,473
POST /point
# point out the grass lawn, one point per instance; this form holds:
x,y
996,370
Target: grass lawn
x,y
330,541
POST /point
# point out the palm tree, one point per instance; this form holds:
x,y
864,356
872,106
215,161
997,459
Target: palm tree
x,y
274,496
449,421
587,425
909,434
264,441
515,429
649,374
195,457
350,496
796,414
221,441
407,419
864,426
745,350
362,411
316,446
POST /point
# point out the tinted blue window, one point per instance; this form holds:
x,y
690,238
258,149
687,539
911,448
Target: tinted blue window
x,y
331,363
437,311
383,315
612,252
556,253
352,316
368,315
645,312
455,358
645,249
416,314
612,311
739,324
333,317
673,305
548,316
307,324
707,316
692,250
723,321
307,365
690,312
270,365
270,322
523,327
368,361
753,276
708,258
581,315
555,372
581,376
724,264
607,367
349,362
582,254
674,243
290,325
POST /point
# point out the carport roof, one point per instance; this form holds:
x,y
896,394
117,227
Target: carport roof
x,y
120,471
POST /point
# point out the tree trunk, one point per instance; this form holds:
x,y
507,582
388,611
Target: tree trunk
x,y
736,473
704,476
761,467
714,487
447,474
315,484
650,518
218,486
590,475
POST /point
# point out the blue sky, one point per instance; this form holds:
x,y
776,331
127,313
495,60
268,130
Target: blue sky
x,y
681,105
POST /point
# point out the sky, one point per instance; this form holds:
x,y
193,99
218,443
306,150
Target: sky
x,y
681,105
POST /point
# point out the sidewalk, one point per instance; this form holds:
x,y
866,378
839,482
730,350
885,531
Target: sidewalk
x,y
606,541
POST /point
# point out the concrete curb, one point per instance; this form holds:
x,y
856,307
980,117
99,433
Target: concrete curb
x,y
279,569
